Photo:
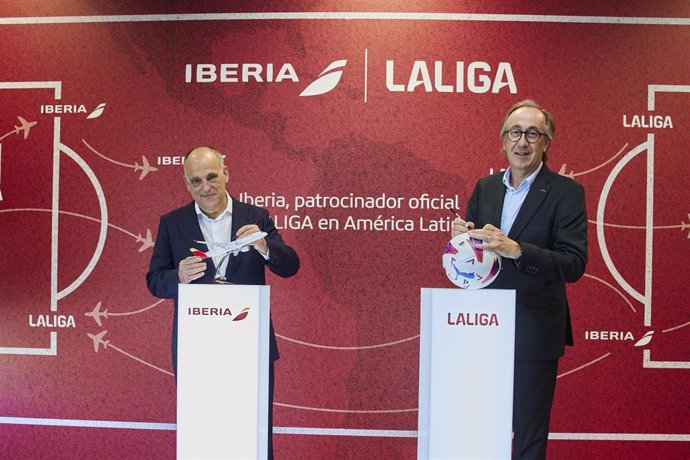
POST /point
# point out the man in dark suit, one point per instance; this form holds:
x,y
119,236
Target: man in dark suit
x,y
215,216
536,220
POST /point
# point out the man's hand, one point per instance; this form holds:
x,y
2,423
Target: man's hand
x,y
460,226
260,245
190,269
494,239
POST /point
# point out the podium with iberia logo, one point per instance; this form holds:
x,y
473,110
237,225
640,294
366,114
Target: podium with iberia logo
x,y
467,348
222,371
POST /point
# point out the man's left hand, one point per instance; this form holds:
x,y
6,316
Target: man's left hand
x,y
494,239
260,245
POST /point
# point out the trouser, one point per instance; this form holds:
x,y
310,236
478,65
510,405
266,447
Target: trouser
x,y
533,391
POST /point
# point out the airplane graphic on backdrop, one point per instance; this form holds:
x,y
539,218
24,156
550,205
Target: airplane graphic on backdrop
x,y
147,241
25,126
145,167
96,314
234,247
98,340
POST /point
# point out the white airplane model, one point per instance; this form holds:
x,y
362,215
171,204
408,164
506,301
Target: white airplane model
x,y
234,247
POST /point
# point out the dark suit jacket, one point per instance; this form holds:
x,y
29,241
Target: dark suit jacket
x,y
551,227
177,231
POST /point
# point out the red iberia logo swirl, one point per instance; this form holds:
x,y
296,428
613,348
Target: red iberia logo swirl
x,y
243,314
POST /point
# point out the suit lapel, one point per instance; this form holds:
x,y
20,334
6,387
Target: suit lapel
x,y
496,194
538,192
190,225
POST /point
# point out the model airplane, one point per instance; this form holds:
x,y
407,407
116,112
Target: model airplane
x,y
234,247
98,340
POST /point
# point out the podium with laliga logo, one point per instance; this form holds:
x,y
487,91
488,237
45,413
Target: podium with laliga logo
x,y
222,371
467,344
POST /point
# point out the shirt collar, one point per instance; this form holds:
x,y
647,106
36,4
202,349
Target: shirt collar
x,y
526,183
226,212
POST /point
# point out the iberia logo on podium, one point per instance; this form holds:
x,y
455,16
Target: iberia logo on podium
x,y
243,314
217,311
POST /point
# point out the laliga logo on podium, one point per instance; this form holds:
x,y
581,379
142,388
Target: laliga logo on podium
x,y
472,319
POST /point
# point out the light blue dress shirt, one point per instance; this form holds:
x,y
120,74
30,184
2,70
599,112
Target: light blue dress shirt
x,y
514,198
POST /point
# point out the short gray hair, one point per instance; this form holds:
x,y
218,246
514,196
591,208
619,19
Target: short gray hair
x,y
550,125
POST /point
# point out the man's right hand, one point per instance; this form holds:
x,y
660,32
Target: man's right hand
x,y
190,269
460,226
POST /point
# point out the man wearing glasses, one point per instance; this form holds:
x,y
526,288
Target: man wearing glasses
x,y
536,219
214,215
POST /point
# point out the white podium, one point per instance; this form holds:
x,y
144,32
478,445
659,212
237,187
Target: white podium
x,y
222,371
467,347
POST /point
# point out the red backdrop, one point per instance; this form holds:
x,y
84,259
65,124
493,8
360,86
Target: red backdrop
x,y
415,113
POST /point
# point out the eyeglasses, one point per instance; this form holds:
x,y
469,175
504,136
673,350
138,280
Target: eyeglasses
x,y
532,135
195,182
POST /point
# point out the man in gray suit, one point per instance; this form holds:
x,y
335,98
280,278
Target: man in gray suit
x,y
536,220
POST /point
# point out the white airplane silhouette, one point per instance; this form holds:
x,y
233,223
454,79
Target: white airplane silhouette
x,y
147,241
234,247
97,313
145,167
25,126
98,340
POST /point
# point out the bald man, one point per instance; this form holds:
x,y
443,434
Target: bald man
x,y
214,215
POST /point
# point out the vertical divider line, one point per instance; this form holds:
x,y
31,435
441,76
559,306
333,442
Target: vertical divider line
x,y
366,70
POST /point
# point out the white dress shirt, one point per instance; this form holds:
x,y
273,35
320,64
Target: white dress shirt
x,y
218,230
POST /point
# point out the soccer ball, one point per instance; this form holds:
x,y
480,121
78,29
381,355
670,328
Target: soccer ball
x,y
468,266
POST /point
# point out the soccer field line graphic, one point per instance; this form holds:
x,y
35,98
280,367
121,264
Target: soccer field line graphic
x,y
147,241
644,296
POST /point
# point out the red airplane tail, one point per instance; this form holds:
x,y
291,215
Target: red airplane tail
x,y
198,253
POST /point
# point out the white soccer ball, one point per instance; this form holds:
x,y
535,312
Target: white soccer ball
x,y
468,266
